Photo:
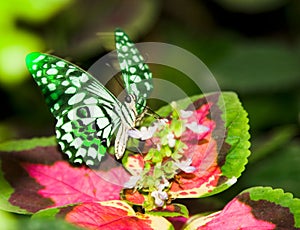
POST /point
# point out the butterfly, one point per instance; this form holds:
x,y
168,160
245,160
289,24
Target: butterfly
x,y
87,114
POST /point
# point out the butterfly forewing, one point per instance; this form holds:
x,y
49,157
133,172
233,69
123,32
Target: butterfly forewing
x,y
136,74
83,107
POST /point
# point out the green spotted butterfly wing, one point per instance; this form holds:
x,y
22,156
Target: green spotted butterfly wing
x,y
87,113
83,107
136,74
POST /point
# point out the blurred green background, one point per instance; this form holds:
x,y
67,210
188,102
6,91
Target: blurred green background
x,y
252,47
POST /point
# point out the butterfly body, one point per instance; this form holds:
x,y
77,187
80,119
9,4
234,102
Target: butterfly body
x,y
87,114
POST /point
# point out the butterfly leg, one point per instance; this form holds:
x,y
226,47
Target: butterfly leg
x,y
121,141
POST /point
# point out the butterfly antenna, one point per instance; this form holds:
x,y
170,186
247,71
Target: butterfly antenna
x,y
156,115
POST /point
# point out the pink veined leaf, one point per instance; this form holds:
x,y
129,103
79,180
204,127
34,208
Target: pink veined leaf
x,y
213,146
113,215
202,149
260,208
235,215
65,184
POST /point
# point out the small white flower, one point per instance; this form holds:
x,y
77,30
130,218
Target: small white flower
x,y
162,122
171,140
196,128
143,134
146,133
135,133
185,113
186,166
164,184
159,198
132,181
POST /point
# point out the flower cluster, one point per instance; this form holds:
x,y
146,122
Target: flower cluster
x,y
167,143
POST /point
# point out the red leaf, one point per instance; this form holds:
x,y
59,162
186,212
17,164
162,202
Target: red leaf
x,y
113,215
202,149
65,184
133,197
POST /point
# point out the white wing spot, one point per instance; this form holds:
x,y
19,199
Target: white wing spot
x,y
65,83
135,78
92,152
81,152
118,45
75,81
106,132
52,71
132,70
89,162
69,71
133,50
87,121
76,98
39,73
68,153
142,66
79,161
56,106
44,80
62,145
123,65
90,101
58,134
102,122
67,127
39,58
77,142
52,87
68,137
60,64
59,121
84,78
71,90
124,48
148,86
119,33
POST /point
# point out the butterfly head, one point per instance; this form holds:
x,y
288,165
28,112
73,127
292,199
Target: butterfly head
x,y
130,99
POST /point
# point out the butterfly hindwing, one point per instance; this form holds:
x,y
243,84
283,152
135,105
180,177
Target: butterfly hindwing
x,y
136,74
82,106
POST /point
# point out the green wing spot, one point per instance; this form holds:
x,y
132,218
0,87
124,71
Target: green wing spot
x,y
31,57
135,72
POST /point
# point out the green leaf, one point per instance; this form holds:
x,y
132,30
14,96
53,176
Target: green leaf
x,y
20,145
279,197
5,193
252,67
236,123
172,210
8,220
36,11
46,224
136,22
252,6
279,169
267,144
14,46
